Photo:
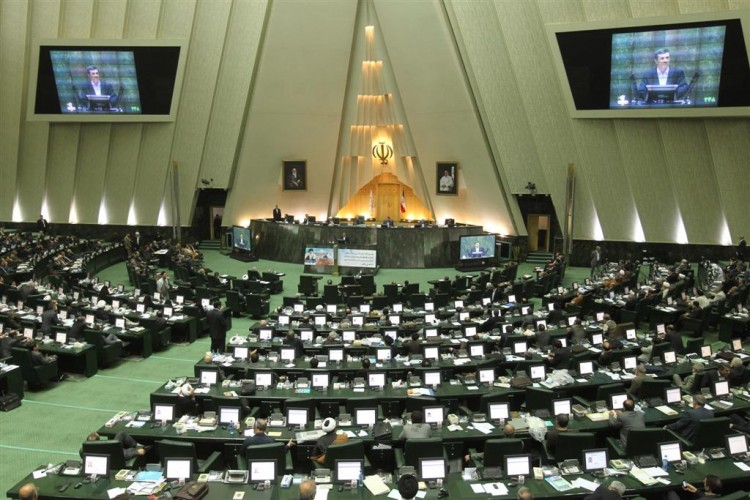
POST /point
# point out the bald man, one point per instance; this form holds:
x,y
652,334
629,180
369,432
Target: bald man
x,y
28,492
307,490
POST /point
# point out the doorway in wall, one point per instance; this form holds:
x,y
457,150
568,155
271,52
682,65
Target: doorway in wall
x,y
541,221
208,203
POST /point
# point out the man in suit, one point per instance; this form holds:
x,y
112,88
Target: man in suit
x,y
561,357
596,258
49,318
217,327
97,86
76,331
663,74
42,225
276,213
742,249
626,420
688,422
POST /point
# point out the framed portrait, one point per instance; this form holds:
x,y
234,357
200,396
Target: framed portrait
x,y
447,177
295,175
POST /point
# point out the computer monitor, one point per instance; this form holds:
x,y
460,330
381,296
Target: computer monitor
x,y
597,338
288,354
398,307
358,320
240,352
736,444
205,303
168,312
265,334
365,416
429,306
585,368
525,310
297,417
348,336
430,333
672,395
630,334
120,323
61,337
595,460
572,320
348,470
392,334
563,341
486,375
519,347
336,355
364,308
395,319
28,333
464,316
376,379
383,354
511,299
262,470
263,379
321,380
229,415
89,319
283,319
629,362
433,415
599,317
720,388
96,465
431,352
141,308
430,318
432,377
298,308
617,400
550,306
541,322
671,451
306,335
538,372
178,468
561,407
458,303
63,314
706,351
157,296
498,411
331,308
470,331
517,465
431,469
320,319
209,377
180,299
163,412
669,357
660,328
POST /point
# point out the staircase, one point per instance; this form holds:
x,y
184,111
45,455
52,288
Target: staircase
x,y
539,257
209,244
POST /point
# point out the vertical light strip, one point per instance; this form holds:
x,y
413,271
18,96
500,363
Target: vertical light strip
x,y
638,234
17,216
73,217
726,237
103,218
162,219
680,235
45,209
132,220
597,228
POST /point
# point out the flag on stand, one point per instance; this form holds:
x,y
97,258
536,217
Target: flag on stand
x,y
403,201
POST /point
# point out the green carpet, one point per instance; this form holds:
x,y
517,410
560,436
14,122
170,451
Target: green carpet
x,y
51,424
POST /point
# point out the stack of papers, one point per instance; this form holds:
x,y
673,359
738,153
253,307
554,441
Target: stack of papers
x,y
666,410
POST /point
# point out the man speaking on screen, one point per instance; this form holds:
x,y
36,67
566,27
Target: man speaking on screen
x,y
663,74
98,87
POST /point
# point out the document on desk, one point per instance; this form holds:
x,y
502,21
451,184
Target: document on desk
x,y
112,493
742,466
496,489
483,427
666,410
655,471
477,488
375,485
585,484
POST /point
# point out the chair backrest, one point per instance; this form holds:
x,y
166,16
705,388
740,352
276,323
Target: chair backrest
x,y
496,449
694,345
710,432
111,448
308,404
329,409
167,448
645,441
603,391
571,444
539,399
22,357
653,389
414,449
419,403
354,403
349,450
271,451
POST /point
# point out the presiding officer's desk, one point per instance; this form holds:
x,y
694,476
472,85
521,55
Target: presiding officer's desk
x,y
454,484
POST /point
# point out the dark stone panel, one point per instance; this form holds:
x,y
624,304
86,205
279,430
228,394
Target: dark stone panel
x,y
663,252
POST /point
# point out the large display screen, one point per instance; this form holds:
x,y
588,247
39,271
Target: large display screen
x,y
241,238
477,247
93,80
659,69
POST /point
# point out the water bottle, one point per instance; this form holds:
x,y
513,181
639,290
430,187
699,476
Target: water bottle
x,y
665,463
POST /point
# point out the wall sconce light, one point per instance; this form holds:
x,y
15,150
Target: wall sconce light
x,y
382,152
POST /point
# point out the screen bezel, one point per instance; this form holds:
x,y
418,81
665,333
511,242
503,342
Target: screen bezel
x,y
597,450
528,463
103,44
423,460
97,456
253,479
336,476
658,23
170,460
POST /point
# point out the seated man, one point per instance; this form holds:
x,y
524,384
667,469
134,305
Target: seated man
x,y
561,425
330,437
417,429
688,422
130,448
626,419
260,436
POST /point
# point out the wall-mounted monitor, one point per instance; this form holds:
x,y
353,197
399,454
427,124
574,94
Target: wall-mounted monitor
x,y
85,80
684,66
477,247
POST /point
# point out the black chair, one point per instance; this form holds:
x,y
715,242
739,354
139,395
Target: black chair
x,y
271,451
234,303
539,399
414,449
113,449
167,448
709,434
571,445
107,354
495,451
35,376
640,442
329,409
654,388
349,450
693,346
256,306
